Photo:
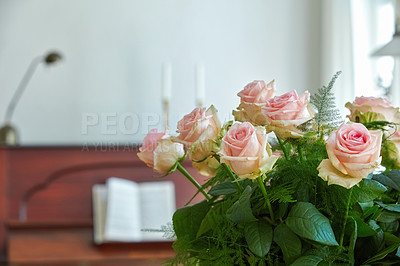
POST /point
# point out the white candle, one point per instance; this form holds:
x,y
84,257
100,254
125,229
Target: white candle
x,y
166,92
166,81
200,84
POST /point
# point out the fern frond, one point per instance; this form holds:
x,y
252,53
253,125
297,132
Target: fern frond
x,y
327,116
167,229
282,193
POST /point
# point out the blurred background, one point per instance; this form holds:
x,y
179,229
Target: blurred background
x,y
109,86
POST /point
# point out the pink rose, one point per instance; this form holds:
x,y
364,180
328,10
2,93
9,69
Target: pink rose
x,y
252,98
202,150
160,152
257,92
353,153
367,109
246,151
146,151
286,112
194,124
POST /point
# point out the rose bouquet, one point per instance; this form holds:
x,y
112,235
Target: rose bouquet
x,y
289,182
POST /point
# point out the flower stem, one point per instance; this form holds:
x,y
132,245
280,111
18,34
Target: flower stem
x,y
283,148
301,154
268,220
191,179
232,177
345,218
264,191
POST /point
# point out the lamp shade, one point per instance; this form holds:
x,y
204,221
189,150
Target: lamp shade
x,y
390,49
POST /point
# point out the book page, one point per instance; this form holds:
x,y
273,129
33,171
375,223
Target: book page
x,y
123,221
157,202
99,194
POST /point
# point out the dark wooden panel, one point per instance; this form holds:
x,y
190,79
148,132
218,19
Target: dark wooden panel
x,y
69,195
3,201
56,183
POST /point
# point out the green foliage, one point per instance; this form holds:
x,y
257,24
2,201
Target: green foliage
x,y
224,188
390,179
308,260
258,236
283,193
327,116
309,223
352,224
380,125
288,241
221,176
240,211
187,220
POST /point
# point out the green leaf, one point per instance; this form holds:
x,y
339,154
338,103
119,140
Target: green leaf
x,y
363,229
369,190
306,221
240,211
187,220
383,253
209,222
391,227
259,237
390,207
388,217
378,239
391,179
309,260
288,241
390,239
373,211
224,188
282,211
353,239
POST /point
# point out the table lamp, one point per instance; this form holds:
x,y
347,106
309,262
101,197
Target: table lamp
x,y
8,134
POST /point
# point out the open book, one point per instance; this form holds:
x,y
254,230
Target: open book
x,y
123,208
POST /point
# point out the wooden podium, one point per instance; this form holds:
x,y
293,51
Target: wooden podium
x,y
46,206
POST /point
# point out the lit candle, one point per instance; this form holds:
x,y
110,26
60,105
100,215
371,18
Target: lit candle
x,y
200,84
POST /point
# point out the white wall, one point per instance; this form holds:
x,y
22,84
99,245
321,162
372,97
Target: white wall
x,y
114,51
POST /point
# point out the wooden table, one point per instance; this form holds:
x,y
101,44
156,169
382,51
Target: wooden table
x,y
74,246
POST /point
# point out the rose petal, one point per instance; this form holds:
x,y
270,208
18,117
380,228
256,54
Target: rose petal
x,y
362,170
166,155
329,173
241,165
